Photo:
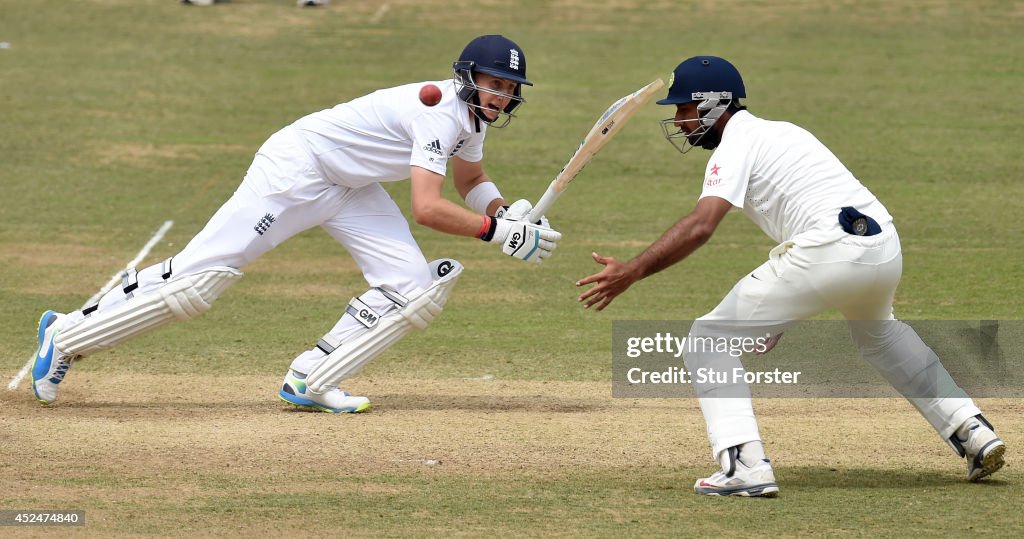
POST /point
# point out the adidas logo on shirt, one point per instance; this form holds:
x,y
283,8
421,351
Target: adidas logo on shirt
x,y
434,147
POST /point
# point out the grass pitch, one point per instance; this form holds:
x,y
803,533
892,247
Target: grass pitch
x,y
120,114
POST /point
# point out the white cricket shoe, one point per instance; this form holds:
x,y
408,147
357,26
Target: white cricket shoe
x,y
332,399
49,366
982,449
740,480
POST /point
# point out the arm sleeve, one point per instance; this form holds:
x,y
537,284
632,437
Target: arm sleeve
x,y
472,149
434,137
727,174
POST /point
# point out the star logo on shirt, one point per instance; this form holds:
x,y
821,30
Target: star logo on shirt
x,y
714,169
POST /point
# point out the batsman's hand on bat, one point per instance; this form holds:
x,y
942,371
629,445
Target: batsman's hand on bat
x,y
522,240
611,281
518,211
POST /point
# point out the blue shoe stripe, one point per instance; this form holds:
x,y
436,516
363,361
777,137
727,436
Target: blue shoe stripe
x,y
299,401
41,364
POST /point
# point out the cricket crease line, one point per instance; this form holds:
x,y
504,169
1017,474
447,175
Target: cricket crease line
x,y
116,278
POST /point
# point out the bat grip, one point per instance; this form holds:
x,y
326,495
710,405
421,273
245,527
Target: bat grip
x,y
545,202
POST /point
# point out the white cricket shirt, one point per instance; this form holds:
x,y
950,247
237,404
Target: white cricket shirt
x,y
786,181
377,137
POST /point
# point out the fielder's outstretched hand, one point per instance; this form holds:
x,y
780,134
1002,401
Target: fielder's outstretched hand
x,y
522,240
768,345
611,281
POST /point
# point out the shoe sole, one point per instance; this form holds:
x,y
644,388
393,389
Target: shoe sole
x,y
310,405
768,490
991,462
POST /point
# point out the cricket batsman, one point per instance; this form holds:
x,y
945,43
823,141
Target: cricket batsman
x,y
326,170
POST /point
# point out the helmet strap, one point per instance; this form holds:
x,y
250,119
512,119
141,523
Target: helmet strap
x,y
476,111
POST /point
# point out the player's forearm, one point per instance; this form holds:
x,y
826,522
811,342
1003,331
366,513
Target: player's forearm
x,y
683,238
432,210
674,245
445,216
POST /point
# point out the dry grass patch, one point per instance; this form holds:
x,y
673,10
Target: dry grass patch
x,y
66,268
254,20
148,155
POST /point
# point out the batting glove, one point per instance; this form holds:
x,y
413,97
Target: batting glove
x,y
518,211
518,239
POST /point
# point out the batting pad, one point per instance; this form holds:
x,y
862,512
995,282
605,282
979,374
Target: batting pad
x,y
348,358
182,298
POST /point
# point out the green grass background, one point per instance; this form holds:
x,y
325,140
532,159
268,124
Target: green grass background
x,y
116,115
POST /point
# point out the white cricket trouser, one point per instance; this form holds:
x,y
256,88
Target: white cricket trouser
x,y
856,275
282,195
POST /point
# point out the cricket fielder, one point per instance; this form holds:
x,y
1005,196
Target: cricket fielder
x,y
325,170
837,249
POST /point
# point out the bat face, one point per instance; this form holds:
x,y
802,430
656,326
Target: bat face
x,y
607,125
610,122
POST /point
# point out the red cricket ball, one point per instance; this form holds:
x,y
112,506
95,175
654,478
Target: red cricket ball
x,y
430,95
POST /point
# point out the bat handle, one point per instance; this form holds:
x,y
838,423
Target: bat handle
x,y
545,202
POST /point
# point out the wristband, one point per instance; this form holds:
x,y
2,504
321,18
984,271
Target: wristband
x,y
484,226
488,227
481,196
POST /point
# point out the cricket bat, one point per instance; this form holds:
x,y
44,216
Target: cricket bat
x,y
606,127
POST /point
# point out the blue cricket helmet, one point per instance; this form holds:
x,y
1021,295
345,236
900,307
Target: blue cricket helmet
x,y
703,74
715,85
497,56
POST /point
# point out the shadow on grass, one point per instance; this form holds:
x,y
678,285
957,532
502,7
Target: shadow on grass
x,y
485,403
877,478
395,402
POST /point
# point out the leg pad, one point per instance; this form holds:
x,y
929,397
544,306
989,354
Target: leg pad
x,y
382,331
181,298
